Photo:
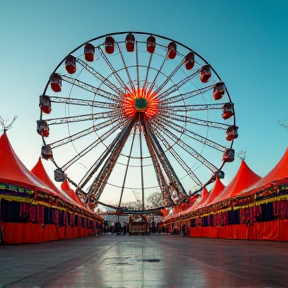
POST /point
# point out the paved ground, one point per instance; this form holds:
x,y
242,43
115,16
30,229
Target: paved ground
x,y
145,261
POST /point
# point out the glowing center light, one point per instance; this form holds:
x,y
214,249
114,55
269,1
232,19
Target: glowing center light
x,y
140,101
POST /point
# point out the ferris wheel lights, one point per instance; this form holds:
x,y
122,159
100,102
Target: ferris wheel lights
x,y
189,60
205,73
42,128
89,52
45,104
130,42
228,110
151,44
70,64
172,50
231,133
219,90
46,152
56,82
109,45
228,155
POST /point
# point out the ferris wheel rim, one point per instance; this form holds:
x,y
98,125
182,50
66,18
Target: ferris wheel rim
x,y
143,33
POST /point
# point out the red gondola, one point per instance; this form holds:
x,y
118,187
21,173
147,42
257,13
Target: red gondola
x,y
189,60
228,155
46,152
130,42
89,52
205,73
70,64
231,133
219,90
109,45
172,50
56,82
42,128
151,44
228,110
45,104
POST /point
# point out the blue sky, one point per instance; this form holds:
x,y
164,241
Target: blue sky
x,y
246,42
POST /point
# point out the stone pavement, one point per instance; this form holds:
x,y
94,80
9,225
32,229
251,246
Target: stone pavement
x,y
145,261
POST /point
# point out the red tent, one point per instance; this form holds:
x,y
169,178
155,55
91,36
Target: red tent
x,y
39,171
205,195
13,171
279,172
243,179
66,188
215,192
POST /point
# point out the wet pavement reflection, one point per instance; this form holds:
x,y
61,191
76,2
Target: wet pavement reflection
x,y
145,261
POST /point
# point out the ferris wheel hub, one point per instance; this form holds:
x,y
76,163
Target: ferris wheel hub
x,y
140,101
141,104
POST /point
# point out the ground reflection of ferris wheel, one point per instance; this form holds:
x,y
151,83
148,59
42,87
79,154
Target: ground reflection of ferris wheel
x,y
140,112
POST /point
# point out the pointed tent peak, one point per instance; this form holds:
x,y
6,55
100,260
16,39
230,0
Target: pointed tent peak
x,y
279,172
205,195
39,171
13,171
243,179
215,192
203,198
66,188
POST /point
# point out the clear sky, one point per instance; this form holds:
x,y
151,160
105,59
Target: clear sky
x,y
246,42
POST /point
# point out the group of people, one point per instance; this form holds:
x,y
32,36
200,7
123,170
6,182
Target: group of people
x,y
117,228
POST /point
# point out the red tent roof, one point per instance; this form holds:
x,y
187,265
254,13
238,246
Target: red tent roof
x,y
243,179
13,171
279,172
39,171
205,195
215,192
66,188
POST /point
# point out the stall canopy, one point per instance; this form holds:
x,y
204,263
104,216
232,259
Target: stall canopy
x,y
243,179
215,192
279,172
14,172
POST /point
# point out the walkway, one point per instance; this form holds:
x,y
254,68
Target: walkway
x,y
145,261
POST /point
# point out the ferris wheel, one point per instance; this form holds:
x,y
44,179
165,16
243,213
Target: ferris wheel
x,y
135,112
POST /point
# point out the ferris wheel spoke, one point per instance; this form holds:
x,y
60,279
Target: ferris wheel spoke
x,y
192,135
137,67
189,149
178,158
90,88
197,107
83,133
147,72
156,76
101,179
127,167
184,96
100,77
83,102
126,69
86,117
169,78
197,121
115,73
177,86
